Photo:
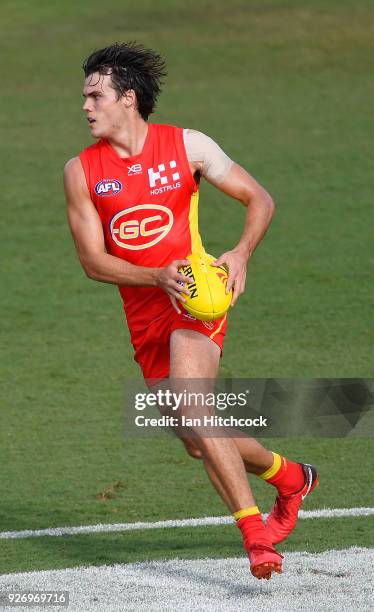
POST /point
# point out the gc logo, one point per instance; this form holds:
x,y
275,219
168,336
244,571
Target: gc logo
x,y
137,228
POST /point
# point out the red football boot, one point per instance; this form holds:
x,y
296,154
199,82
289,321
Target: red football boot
x,y
263,558
283,516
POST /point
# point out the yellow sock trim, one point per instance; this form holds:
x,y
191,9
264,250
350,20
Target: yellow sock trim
x,y
273,469
246,512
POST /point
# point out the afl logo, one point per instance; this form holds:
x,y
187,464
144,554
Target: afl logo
x,y
108,187
141,227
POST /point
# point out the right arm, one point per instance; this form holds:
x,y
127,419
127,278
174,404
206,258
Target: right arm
x,y
87,231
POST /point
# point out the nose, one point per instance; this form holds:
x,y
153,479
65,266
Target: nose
x,y
86,105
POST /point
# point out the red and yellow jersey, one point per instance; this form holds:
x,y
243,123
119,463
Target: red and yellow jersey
x,y
148,208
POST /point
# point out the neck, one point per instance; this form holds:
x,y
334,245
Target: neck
x,y
130,139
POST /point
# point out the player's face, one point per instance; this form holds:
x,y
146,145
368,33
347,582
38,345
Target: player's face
x,y
104,111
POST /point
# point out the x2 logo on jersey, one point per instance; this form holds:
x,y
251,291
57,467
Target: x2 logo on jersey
x,y
141,227
134,169
108,187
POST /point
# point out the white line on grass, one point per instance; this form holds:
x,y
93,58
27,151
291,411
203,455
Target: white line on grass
x,y
194,522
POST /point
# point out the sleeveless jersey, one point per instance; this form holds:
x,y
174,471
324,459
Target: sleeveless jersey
x,y
147,204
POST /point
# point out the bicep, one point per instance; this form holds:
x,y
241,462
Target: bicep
x,y
83,218
239,184
221,171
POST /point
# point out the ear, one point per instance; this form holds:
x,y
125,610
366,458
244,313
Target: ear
x,y
129,98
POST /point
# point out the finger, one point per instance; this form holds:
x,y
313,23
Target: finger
x,y
235,295
238,290
174,303
242,284
181,262
183,279
180,288
219,261
175,293
231,281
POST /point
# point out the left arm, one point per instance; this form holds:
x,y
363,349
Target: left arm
x,y
260,209
208,159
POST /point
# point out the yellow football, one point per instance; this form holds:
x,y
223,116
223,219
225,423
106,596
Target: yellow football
x,y
208,299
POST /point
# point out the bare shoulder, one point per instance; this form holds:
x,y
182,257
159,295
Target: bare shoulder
x,y
75,182
195,136
212,162
74,175
73,167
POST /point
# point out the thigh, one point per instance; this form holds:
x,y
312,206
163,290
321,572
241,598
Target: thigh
x,y
193,355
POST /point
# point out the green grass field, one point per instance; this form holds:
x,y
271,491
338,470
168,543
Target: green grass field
x,y
285,89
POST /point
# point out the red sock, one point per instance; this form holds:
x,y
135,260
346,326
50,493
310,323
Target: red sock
x,y
253,530
289,477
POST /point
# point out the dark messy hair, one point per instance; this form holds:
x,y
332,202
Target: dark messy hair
x,y
131,66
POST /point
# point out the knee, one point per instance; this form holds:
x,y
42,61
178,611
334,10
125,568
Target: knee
x,y
191,449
